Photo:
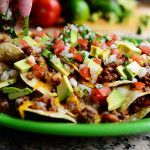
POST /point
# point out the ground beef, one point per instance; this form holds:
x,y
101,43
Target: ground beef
x,y
30,75
141,102
87,115
27,50
43,103
108,117
4,105
109,74
146,80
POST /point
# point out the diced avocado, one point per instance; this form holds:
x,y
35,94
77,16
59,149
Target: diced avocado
x,y
124,90
104,54
16,95
73,37
7,82
114,100
10,90
46,53
59,67
132,70
95,51
64,89
22,65
55,62
120,70
44,39
128,48
94,67
30,41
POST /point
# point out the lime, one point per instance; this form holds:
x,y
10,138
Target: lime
x,y
80,11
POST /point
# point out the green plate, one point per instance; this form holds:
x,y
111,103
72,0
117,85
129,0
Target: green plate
x,y
70,129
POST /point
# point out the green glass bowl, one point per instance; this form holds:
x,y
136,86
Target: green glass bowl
x,y
70,129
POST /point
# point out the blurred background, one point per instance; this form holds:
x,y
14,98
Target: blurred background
x,y
127,17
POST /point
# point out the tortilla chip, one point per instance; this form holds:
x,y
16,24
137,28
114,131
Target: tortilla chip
x,y
117,83
36,84
10,53
139,115
131,98
56,115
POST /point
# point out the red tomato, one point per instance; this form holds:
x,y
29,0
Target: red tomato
x,y
114,51
46,12
72,50
83,42
138,59
113,39
24,43
39,33
138,85
97,44
145,49
99,95
58,46
78,57
97,60
56,34
38,71
85,72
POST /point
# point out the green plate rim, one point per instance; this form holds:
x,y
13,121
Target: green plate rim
x,y
70,129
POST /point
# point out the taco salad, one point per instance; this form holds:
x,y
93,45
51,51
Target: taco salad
x,y
76,76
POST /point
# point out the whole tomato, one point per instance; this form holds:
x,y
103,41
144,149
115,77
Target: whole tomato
x,y
46,12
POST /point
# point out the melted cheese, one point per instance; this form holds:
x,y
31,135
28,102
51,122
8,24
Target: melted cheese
x,y
41,84
23,107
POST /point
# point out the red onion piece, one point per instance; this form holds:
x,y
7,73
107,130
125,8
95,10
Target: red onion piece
x,y
25,7
4,6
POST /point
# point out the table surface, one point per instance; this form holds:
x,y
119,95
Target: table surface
x,y
17,140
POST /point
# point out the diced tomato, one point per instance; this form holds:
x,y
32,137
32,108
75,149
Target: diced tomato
x,y
58,46
83,42
24,43
138,59
96,96
113,39
38,71
138,85
85,72
39,33
56,34
72,50
100,95
145,49
78,57
97,44
97,60
114,51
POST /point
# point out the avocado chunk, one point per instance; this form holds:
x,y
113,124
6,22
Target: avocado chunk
x,y
120,70
64,89
114,100
22,92
7,82
44,39
132,70
22,65
73,37
95,51
104,54
59,67
55,62
30,41
10,90
128,48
